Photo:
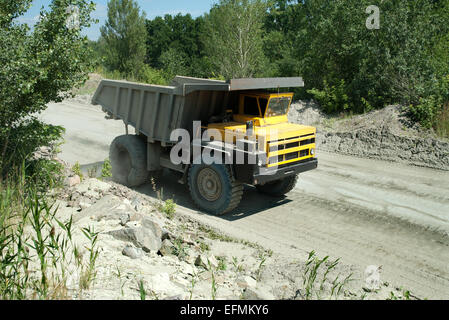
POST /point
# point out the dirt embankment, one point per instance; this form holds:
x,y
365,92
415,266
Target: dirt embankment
x,y
385,134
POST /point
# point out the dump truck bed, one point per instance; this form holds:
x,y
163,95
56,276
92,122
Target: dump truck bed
x,y
156,111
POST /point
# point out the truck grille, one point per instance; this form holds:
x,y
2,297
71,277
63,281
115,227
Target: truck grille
x,y
284,151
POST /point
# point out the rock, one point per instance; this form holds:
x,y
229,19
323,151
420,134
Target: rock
x,y
190,256
188,269
141,237
72,181
203,261
135,217
133,253
109,208
124,219
372,281
246,282
84,205
153,226
258,293
166,248
93,185
136,204
160,283
179,280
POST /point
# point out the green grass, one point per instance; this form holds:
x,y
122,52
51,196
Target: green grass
x,y
316,278
35,247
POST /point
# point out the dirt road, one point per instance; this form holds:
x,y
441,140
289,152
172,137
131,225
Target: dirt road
x,y
367,212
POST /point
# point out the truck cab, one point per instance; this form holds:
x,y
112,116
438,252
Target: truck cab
x,y
283,142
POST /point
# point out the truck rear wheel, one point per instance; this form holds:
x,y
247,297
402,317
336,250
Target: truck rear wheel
x,y
213,189
128,156
279,188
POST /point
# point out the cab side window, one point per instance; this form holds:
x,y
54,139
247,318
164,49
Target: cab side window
x,y
250,106
263,105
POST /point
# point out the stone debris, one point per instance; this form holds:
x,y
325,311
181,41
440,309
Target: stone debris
x,y
372,281
133,253
258,293
246,282
204,261
140,247
167,248
141,237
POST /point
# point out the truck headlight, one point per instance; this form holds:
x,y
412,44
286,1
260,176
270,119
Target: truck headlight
x,y
260,162
312,152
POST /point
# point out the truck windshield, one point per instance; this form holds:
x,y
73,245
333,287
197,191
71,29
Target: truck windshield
x,y
278,106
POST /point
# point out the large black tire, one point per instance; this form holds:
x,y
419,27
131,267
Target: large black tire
x,y
279,188
213,189
128,156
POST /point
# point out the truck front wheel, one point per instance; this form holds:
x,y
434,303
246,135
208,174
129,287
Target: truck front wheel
x,y
279,188
213,189
128,156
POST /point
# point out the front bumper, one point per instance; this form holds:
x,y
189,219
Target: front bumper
x,y
273,174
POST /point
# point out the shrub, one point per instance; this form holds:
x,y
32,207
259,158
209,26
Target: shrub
x,y
332,98
76,169
150,75
106,169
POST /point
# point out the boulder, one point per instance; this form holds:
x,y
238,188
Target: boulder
x,y
72,181
133,253
124,219
153,226
93,184
109,208
141,237
166,248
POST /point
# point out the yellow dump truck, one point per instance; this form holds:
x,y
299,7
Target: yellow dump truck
x,y
218,135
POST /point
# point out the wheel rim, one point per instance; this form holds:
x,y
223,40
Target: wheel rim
x,y
209,184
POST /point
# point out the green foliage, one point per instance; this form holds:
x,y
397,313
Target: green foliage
x,y
20,140
177,36
233,37
327,41
442,122
123,37
45,174
76,169
333,98
36,67
168,207
429,111
149,75
34,264
106,170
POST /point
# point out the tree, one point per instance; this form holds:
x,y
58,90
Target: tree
x,y
124,36
37,67
174,43
356,68
233,37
